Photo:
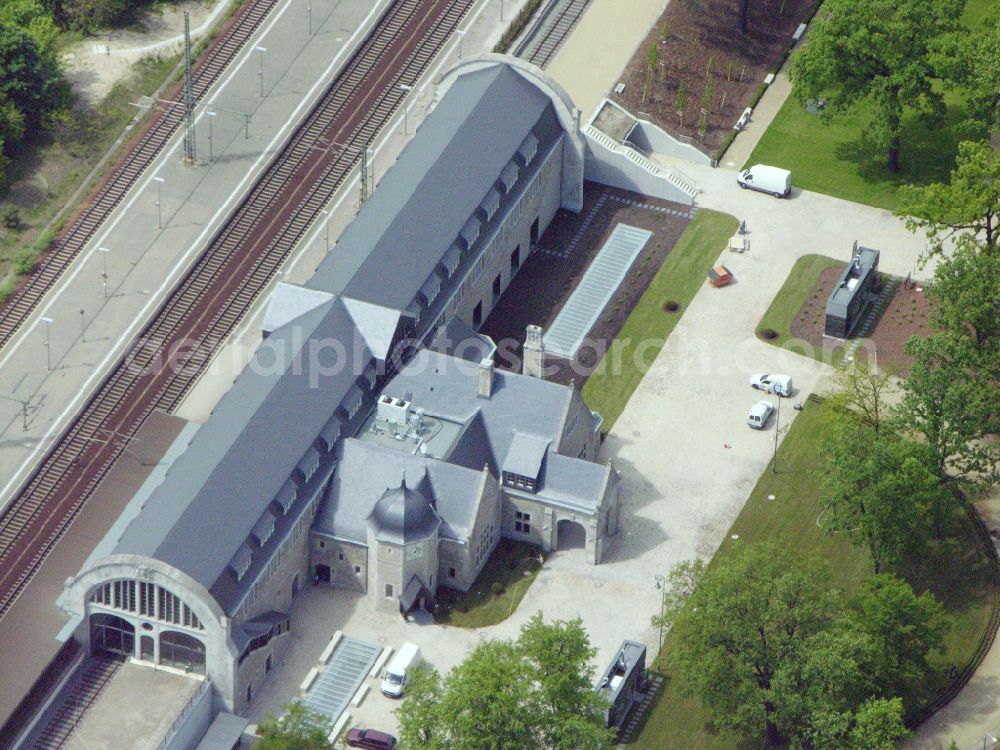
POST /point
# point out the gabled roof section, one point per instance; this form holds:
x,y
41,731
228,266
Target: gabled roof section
x,y
242,458
288,302
377,325
448,387
364,472
526,455
441,177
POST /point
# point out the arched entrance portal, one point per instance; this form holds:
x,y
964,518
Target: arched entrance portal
x,y
570,535
111,636
182,651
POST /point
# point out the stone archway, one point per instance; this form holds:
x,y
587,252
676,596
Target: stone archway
x,y
111,636
570,535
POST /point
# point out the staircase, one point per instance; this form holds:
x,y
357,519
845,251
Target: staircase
x,y
75,702
864,329
684,184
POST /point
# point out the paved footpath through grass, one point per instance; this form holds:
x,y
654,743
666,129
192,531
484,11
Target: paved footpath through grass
x,y
683,272
954,570
829,155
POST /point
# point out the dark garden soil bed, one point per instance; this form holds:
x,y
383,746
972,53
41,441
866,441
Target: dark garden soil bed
x,y
552,272
693,35
810,321
907,315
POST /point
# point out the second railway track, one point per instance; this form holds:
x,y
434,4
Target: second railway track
x,y
223,284
140,155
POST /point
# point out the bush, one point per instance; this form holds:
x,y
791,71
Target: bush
x,y
768,333
24,260
10,217
671,306
497,588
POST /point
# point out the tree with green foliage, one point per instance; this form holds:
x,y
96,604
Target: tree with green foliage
x,y
743,16
882,52
904,628
966,299
30,79
878,725
971,60
968,203
681,103
533,692
299,728
746,622
948,401
863,390
876,488
88,15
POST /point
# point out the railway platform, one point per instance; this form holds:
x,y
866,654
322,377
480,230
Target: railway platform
x,y
152,240
88,319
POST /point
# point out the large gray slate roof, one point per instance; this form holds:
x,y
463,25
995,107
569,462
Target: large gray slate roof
x,y
441,177
366,470
449,387
217,490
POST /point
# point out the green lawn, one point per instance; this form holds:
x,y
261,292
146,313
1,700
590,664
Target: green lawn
x,y
683,272
514,566
955,570
831,157
786,304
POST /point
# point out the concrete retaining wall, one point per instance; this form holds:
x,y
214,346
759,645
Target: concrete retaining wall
x,y
651,138
610,163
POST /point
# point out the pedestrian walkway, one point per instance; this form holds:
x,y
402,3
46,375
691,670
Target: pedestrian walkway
x,y
592,59
763,114
84,324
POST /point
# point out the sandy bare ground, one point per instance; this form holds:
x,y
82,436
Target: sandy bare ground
x,y
95,64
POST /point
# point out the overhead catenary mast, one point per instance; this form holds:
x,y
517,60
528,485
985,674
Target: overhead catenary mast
x,y
190,152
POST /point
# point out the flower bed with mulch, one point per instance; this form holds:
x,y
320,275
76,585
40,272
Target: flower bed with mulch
x,y
698,45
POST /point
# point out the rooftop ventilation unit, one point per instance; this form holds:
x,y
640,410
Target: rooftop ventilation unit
x,y
394,410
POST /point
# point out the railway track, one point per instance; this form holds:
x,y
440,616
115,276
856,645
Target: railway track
x,y
539,51
162,126
238,264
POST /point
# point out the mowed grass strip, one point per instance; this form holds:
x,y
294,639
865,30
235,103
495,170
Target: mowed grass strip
x,y
831,155
789,299
683,272
955,570
514,565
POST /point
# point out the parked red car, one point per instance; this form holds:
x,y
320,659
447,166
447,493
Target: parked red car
x,y
370,738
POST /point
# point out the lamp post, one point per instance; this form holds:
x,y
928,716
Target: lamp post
x,y
326,214
661,584
777,429
104,267
48,343
211,153
406,107
461,37
260,73
159,202
309,10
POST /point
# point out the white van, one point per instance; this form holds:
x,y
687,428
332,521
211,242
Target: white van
x,y
394,676
777,182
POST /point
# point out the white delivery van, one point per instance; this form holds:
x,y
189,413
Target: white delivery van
x,y
772,383
777,182
394,676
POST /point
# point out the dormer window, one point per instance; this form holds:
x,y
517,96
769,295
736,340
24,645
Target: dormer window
x,y
519,481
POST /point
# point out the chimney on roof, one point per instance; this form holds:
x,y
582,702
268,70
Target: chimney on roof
x,y
533,361
486,378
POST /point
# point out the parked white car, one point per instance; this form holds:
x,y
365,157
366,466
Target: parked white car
x,y
759,414
773,180
780,385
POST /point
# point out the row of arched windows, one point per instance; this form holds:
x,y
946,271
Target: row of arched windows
x,y
146,600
